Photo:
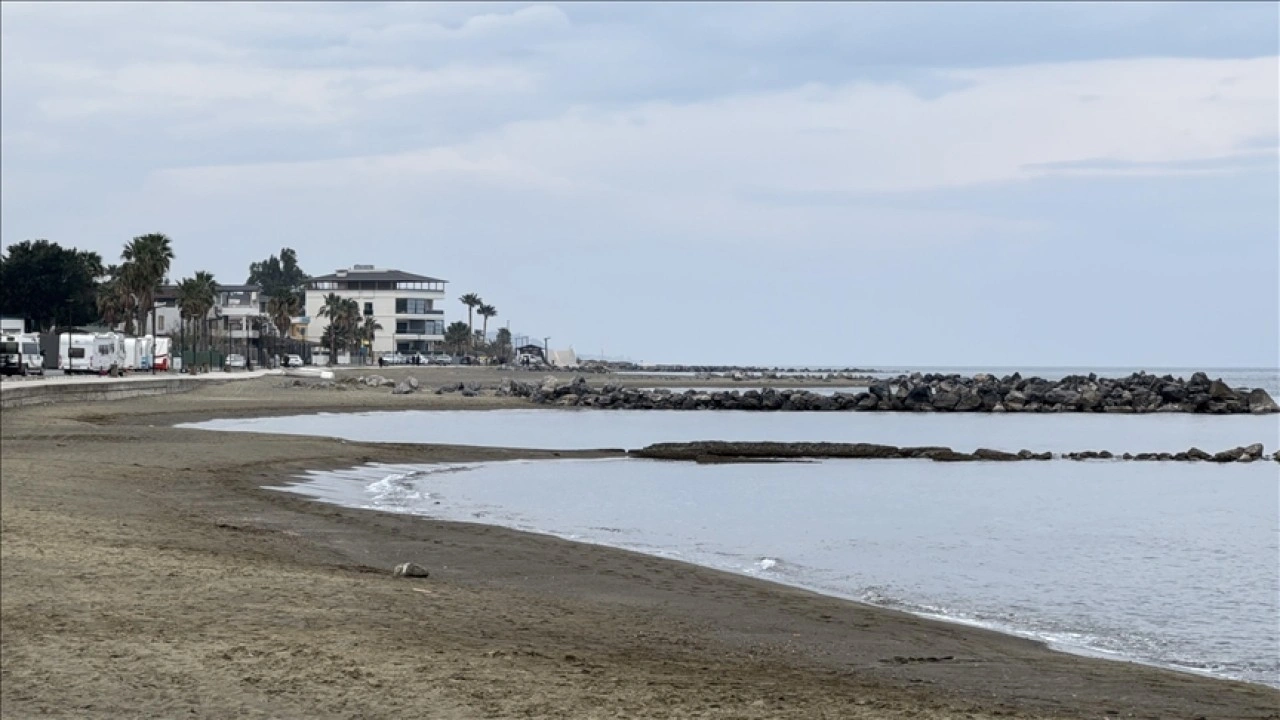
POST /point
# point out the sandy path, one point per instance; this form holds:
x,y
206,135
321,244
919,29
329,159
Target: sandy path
x,y
145,574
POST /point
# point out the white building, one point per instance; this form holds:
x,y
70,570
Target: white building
x,y
231,319
407,306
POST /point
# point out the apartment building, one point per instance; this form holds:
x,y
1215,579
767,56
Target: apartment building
x,y
407,306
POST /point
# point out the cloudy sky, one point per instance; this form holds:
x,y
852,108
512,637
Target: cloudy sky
x,y
995,185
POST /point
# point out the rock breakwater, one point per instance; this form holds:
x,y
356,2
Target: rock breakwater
x,y
717,451
1137,393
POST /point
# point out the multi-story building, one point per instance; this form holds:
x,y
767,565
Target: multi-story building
x,y
233,315
407,306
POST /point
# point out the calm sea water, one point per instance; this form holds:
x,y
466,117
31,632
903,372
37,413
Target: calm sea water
x,y
588,429
1172,564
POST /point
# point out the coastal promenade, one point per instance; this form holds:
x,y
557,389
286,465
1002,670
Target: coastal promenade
x,y
38,390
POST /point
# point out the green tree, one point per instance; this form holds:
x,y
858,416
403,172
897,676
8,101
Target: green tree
x,y
472,301
48,284
503,343
282,307
196,297
146,262
277,275
334,308
456,336
486,312
368,331
114,301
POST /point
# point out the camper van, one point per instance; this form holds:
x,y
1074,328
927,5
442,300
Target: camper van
x,y
91,353
109,352
20,355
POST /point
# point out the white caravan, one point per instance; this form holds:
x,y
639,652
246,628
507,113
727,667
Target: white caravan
x,y
20,354
160,359
137,353
74,352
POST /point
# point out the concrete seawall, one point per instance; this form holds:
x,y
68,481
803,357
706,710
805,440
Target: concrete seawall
x,y
94,389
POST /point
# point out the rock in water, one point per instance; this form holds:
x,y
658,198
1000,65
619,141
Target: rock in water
x,y
410,570
1260,402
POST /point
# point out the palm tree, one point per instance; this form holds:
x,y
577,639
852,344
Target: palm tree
x,y
486,312
282,308
472,301
368,331
115,302
457,336
196,297
147,260
334,307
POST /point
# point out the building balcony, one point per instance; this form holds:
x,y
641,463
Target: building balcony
x,y
423,313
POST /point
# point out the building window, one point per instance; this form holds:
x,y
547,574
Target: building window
x,y
159,323
368,308
412,306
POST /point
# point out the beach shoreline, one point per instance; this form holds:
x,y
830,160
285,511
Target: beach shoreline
x,y
148,571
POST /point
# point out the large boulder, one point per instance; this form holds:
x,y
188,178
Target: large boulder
x,y
1062,396
1219,390
1260,402
401,388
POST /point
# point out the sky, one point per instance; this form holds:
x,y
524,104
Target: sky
x,y
1015,184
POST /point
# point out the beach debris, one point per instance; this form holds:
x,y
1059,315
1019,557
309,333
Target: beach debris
x,y
410,570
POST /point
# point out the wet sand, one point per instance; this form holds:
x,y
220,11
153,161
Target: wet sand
x,y
145,573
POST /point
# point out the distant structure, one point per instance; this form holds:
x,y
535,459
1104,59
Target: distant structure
x,y
564,358
407,306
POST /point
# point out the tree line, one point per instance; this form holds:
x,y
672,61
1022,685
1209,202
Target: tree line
x,y
52,286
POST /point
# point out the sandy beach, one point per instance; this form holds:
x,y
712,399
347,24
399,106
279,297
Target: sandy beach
x,y
146,573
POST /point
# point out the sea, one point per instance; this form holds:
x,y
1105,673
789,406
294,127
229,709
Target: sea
x,y
1171,564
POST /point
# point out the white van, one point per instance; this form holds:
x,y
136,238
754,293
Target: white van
x,y
20,355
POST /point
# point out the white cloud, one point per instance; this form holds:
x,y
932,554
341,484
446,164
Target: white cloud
x,y
1007,124
285,95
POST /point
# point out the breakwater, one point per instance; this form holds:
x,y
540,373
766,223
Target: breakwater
x,y
1137,393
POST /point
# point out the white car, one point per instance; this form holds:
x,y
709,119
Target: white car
x,y
292,361
235,362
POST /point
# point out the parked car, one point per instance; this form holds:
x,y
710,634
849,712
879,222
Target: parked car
x,y
292,361
440,359
235,362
